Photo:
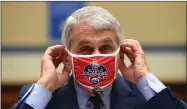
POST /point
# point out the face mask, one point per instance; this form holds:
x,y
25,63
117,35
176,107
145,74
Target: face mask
x,y
98,70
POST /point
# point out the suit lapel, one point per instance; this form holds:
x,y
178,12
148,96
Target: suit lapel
x,y
121,95
70,98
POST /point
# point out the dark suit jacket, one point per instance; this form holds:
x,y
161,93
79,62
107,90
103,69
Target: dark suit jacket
x,y
124,95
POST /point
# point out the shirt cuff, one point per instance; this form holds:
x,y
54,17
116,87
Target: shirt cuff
x,y
39,97
149,86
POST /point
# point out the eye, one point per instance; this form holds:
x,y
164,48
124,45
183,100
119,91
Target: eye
x,y
83,48
106,49
86,50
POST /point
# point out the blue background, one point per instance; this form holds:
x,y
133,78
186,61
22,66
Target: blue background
x,y
58,13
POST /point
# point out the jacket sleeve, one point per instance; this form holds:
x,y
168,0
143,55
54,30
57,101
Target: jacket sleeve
x,y
165,100
25,91
22,106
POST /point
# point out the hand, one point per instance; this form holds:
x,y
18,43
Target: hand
x,y
53,56
134,52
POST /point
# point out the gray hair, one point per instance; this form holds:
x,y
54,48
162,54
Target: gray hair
x,y
96,17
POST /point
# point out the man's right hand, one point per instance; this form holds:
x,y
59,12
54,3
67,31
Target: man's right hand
x,y
49,78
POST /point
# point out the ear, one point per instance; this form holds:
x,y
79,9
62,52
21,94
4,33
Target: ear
x,y
68,62
120,60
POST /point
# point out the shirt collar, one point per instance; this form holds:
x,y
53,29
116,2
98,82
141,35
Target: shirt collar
x,y
83,96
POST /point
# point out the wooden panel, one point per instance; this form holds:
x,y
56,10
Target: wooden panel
x,y
10,93
24,23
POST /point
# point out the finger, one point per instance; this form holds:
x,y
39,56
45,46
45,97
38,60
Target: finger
x,y
61,52
133,44
54,49
56,54
60,59
47,65
63,77
122,57
130,54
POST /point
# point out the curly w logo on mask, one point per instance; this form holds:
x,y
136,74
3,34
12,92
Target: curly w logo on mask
x,y
98,70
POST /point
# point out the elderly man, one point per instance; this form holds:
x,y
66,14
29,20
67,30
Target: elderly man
x,y
93,49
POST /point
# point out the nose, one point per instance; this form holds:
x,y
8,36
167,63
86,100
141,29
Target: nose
x,y
96,51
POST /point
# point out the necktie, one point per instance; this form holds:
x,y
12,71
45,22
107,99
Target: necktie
x,y
97,101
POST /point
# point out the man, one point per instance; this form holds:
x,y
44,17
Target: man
x,y
93,49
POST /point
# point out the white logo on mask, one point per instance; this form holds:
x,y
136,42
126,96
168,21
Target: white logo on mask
x,y
95,72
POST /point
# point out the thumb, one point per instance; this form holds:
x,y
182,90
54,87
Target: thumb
x,y
64,76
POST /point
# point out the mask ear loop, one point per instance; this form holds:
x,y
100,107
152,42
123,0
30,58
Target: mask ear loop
x,y
117,51
71,59
116,71
71,54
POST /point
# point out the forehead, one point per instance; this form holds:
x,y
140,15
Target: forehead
x,y
86,33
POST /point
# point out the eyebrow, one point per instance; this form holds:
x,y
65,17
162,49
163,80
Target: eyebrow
x,y
84,42
106,40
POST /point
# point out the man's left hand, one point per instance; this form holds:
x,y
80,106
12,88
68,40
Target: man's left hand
x,y
134,52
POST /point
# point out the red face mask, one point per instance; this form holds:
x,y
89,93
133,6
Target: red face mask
x,y
98,70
